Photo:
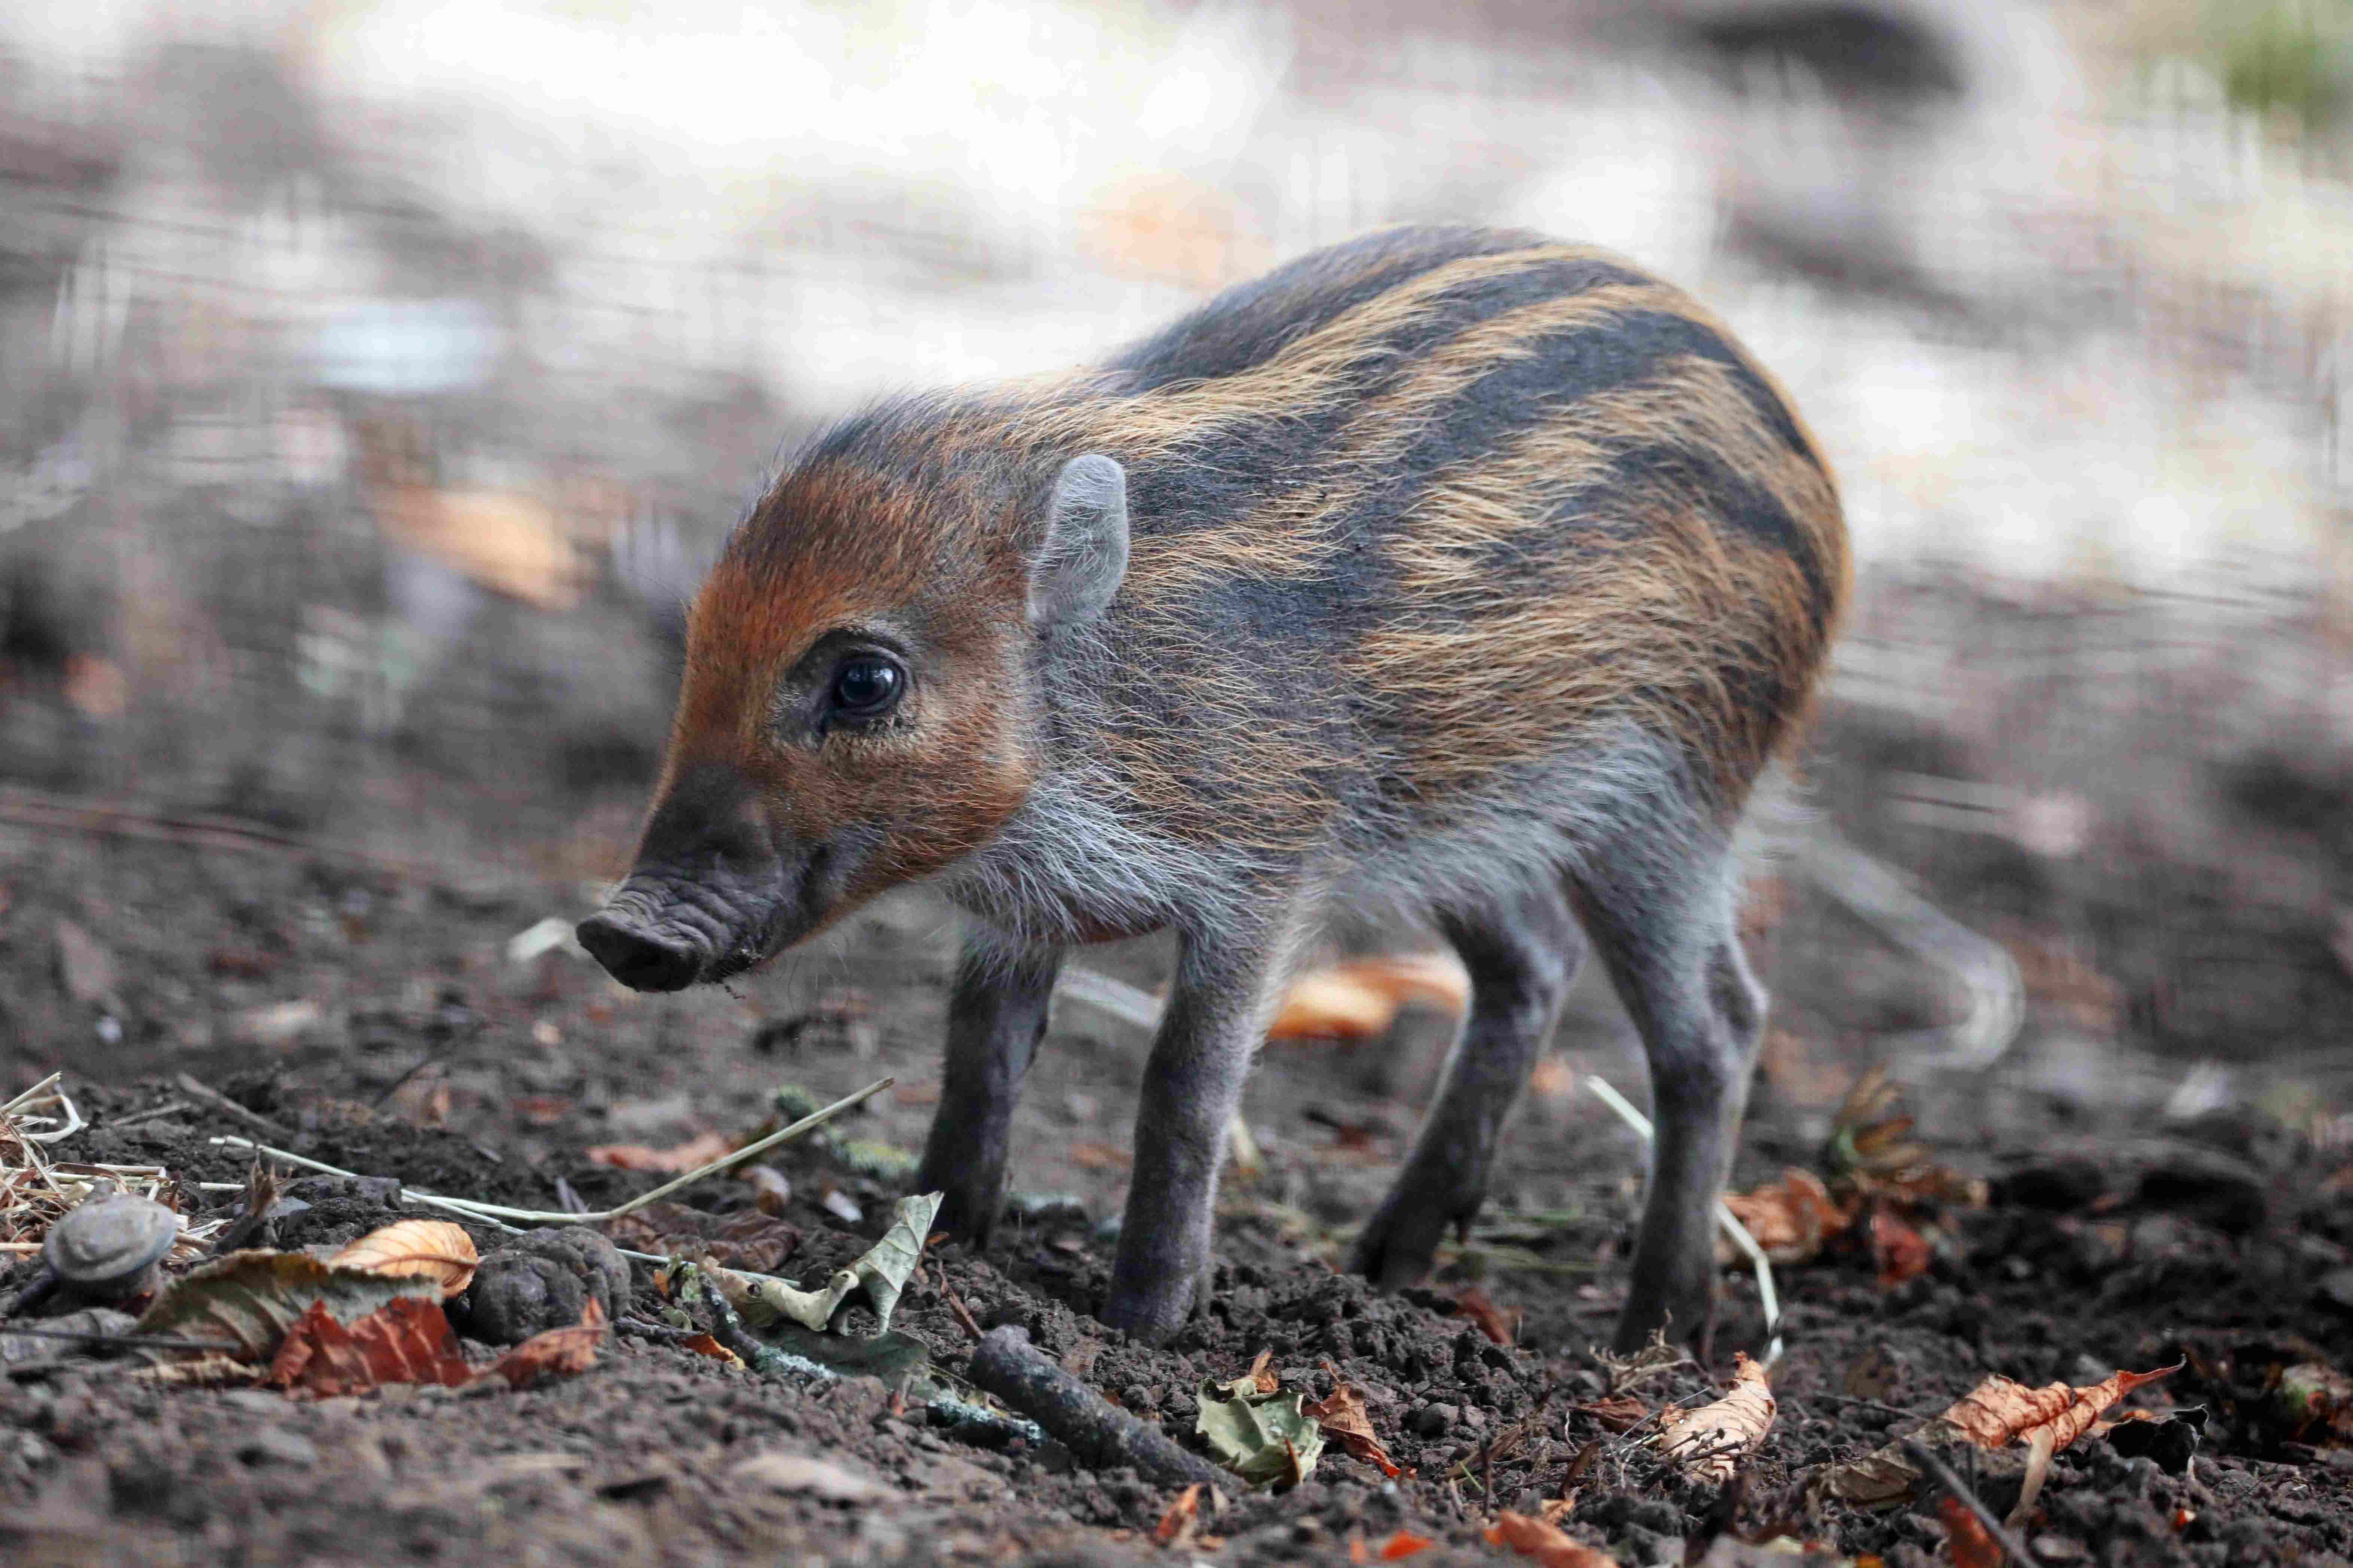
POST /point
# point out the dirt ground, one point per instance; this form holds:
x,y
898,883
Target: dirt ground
x,y
421,1049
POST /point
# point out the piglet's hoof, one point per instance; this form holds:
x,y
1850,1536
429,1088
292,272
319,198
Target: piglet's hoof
x,y
1147,1315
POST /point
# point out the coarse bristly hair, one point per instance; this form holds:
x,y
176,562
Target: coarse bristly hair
x,y
1454,553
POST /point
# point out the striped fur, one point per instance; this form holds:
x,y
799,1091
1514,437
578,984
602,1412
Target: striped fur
x,y
1468,501
1466,572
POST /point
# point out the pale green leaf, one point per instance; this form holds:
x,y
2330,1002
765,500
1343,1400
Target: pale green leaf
x,y
1262,1437
881,1273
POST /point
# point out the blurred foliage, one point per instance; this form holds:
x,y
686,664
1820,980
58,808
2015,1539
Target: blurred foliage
x,y
2287,56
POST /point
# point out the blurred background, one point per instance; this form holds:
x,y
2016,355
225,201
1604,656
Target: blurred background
x,y
379,373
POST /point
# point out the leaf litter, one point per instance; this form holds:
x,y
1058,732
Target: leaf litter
x,y
434,1248
1261,1434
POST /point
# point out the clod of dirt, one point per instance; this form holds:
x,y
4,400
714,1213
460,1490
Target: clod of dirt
x,y
2056,1186
2213,1189
541,1281
332,1210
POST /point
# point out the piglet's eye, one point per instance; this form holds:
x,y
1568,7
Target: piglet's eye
x,y
867,688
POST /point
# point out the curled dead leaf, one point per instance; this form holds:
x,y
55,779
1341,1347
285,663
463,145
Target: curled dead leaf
x,y
1358,1000
249,1301
1900,1251
1710,1441
1872,1133
1995,1414
1402,1544
693,1154
1616,1412
1972,1547
1493,1322
1262,1373
1547,1543
1181,1520
1345,1418
558,1353
1791,1218
432,1248
406,1341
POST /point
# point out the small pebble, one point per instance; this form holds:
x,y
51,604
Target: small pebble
x,y
277,1445
1432,1421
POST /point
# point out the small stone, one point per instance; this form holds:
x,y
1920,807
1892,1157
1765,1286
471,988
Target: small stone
x,y
105,1248
1432,1421
277,1445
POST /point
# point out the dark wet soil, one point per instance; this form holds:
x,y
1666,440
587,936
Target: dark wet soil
x,y
421,1049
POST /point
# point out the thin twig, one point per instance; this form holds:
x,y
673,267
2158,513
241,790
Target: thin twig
x,y
1925,1458
189,1084
99,1337
664,1333
34,1093
152,1114
962,1313
468,1206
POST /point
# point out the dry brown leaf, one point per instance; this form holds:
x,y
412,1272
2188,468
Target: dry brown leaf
x,y
558,1353
1999,1411
1547,1543
1182,1518
95,686
1262,1373
433,1247
1403,1544
1995,1414
1711,1441
1492,1320
1359,999
513,545
746,1240
1872,1133
703,1344
1900,1251
407,1341
1792,1218
1616,1412
204,1372
771,1189
693,1154
1972,1546
1345,1418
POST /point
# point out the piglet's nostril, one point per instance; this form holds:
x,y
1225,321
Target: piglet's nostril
x,y
640,958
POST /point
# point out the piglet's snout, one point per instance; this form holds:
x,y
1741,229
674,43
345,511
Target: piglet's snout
x,y
640,956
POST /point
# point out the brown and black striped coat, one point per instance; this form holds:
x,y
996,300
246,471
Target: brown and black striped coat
x,y
1463,570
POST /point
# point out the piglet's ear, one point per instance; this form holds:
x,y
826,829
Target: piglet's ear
x,y
1085,556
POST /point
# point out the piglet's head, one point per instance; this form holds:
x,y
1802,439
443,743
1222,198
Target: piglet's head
x,y
861,707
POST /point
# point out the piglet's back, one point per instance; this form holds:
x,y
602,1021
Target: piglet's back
x,y
1411,516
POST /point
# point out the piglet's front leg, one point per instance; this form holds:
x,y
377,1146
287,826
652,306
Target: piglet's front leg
x,y
1192,1086
997,1016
